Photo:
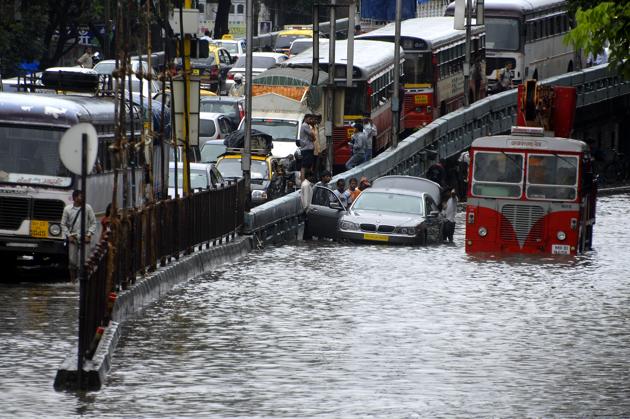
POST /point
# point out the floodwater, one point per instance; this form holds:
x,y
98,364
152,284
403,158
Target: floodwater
x,y
335,330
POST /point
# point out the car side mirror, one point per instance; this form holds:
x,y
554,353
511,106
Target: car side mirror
x,y
336,205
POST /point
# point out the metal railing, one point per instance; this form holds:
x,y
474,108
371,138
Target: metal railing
x,y
142,239
445,137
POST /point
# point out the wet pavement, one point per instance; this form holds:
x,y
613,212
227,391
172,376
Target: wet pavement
x,y
325,329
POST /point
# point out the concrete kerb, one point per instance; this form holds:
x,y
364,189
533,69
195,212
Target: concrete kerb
x,y
131,301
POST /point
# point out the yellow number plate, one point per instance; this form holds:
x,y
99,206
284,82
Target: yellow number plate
x,y
421,99
39,228
195,72
375,237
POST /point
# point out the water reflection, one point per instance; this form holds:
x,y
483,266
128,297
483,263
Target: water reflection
x,y
334,330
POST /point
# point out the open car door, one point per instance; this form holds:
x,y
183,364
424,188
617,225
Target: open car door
x,y
323,214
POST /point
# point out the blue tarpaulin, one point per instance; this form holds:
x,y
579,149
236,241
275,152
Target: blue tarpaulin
x,y
386,9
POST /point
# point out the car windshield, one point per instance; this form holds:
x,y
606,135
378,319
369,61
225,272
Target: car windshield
x,y
231,168
232,47
198,178
552,177
388,202
277,128
207,128
210,152
31,156
298,47
497,174
284,41
217,106
259,62
502,34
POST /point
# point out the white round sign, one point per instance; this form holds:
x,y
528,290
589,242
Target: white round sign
x,y
70,147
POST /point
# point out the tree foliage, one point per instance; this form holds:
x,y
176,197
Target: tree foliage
x,y
221,22
600,22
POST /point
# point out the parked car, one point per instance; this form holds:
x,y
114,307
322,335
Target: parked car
x,y
202,176
211,150
236,47
212,70
149,89
396,209
232,107
261,61
213,126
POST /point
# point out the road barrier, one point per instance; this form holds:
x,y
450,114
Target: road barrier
x,y
139,240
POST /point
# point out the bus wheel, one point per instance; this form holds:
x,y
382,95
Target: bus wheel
x,y
570,68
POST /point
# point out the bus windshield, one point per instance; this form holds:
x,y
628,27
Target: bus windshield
x,y
552,177
497,174
502,34
231,168
31,156
418,68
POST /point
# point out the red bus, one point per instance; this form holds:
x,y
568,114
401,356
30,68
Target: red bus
x,y
371,91
530,194
434,66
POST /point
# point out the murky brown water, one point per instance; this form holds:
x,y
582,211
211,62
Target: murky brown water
x,y
335,330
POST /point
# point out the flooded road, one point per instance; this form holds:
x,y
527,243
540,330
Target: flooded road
x,y
334,330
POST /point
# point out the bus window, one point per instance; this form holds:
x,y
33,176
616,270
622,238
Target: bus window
x,y
552,177
502,34
497,174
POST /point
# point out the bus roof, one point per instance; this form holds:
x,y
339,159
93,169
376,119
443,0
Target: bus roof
x,y
434,31
513,7
370,57
530,143
54,110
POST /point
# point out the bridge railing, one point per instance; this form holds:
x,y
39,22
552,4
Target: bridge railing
x,y
142,239
445,137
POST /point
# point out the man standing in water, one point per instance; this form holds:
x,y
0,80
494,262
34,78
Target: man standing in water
x,y
71,228
450,211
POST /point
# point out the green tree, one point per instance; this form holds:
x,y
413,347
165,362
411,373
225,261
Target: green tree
x,y
221,22
600,22
18,41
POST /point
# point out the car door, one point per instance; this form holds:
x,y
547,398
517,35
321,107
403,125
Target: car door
x,y
321,218
433,222
226,63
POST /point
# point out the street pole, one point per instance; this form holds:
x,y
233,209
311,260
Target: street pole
x,y
82,278
185,39
331,87
315,65
246,161
467,48
396,93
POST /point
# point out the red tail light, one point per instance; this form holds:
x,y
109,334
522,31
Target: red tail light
x,y
214,71
230,76
241,112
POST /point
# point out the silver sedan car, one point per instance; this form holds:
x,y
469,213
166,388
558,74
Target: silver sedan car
x,y
396,209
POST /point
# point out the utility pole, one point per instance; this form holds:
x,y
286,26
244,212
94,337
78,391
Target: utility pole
x,y
396,93
246,160
330,123
467,48
185,52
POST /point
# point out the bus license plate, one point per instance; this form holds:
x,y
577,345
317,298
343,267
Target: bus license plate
x,y
39,228
375,237
560,249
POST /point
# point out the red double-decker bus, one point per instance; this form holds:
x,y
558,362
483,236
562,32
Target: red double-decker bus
x,y
530,194
434,66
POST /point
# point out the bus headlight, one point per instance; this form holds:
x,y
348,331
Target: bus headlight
x,y
54,229
561,235
482,232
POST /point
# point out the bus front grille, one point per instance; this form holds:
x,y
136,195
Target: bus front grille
x,y
12,212
48,209
521,220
